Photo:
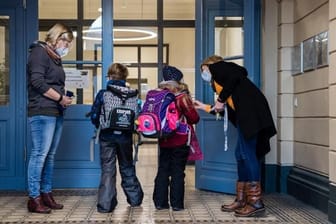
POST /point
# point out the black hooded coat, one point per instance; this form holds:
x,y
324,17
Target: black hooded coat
x,y
251,110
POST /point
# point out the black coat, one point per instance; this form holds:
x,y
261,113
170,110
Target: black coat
x,y
252,113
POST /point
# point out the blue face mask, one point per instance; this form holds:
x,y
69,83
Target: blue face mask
x,y
206,76
62,51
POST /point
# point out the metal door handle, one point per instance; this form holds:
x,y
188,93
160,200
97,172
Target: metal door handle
x,y
92,143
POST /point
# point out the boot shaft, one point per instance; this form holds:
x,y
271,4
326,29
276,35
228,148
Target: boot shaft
x,y
241,191
240,200
254,205
253,191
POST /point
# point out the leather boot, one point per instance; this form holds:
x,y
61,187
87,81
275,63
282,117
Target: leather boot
x,y
254,206
240,200
49,201
36,205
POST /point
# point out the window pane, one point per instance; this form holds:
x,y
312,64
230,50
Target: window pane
x,y
65,9
149,54
149,80
182,52
83,82
92,42
132,78
126,54
4,60
179,10
92,9
229,39
229,36
134,9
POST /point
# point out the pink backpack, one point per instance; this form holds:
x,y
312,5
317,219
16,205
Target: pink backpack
x,y
159,117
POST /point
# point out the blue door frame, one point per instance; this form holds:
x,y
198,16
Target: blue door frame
x,y
12,115
217,171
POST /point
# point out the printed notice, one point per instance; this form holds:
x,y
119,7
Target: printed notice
x,y
75,78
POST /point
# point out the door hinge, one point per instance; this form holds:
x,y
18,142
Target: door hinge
x,y
25,154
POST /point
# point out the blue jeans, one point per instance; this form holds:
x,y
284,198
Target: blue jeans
x,y
247,162
45,134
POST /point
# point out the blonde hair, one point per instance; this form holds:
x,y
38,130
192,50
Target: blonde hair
x,y
183,87
59,31
211,60
171,85
117,71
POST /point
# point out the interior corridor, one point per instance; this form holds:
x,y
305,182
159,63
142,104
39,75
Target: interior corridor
x,y
201,206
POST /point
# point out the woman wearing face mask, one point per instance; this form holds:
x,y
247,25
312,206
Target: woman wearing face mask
x,y
46,104
248,110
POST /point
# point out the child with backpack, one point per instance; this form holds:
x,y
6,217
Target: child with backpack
x,y
113,113
174,149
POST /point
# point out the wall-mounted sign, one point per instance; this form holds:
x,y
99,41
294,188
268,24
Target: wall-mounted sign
x,y
75,78
321,41
309,54
296,59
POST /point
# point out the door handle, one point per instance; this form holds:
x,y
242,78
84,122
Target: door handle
x,y
92,143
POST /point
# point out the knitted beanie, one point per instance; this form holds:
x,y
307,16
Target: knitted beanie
x,y
171,73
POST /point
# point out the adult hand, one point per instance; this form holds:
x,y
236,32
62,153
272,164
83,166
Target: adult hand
x,y
66,101
199,105
218,107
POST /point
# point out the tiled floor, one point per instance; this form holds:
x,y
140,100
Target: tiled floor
x,y
201,206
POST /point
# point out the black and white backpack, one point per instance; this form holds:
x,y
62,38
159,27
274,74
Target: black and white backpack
x,y
119,108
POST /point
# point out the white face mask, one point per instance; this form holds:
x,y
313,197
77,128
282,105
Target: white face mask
x,y
62,51
206,76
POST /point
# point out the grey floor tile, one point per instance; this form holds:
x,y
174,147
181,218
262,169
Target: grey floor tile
x,y
201,207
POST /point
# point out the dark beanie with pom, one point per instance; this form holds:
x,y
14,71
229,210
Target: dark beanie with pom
x,y
171,73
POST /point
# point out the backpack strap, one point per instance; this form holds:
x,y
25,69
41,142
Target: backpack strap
x,y
136,144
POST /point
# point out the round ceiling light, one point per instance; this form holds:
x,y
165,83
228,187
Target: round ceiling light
x,y
119,34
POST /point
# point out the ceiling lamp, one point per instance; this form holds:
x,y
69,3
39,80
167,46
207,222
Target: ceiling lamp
x,y
119,34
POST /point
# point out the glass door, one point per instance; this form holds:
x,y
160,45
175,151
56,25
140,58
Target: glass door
x,y
226,29
130,32
77,162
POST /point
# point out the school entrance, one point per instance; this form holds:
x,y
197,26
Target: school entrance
x,y
144,35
